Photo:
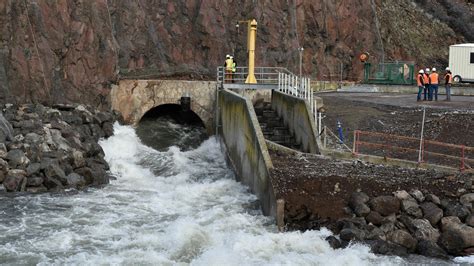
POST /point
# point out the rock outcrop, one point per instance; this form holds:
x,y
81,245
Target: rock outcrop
x,y
73,50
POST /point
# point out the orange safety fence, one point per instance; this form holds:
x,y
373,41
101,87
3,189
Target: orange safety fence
x,y
408,148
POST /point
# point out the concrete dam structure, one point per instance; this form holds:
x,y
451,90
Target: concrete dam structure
x,y
229,114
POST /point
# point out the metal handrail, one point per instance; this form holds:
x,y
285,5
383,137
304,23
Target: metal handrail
x,y
264,75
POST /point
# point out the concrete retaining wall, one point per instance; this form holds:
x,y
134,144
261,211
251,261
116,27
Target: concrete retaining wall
x,y
297,116
457,91
246,148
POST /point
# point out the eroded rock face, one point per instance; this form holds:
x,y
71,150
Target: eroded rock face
x,y
72,50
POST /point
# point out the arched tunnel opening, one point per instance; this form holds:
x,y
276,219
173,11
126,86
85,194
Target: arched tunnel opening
x,y
171,125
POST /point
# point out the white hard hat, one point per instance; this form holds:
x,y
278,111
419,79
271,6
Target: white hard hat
x,y
427,70
227,56
448,69
231,57
421,71
434,69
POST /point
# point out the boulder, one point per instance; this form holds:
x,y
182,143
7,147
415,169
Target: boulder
x,y
358,198
34,181
385,205
96,131
85,172
6,129
16,158
3,166
448,221
54,172
458,235
470,220
433,198
387,248
452,241
349,234
410,206
431,249
108,129
418,195
3,151
402,195
388,227
78,158
32,138
457,209
76,181
423,230
374,218
374,233
14,180
33,169
403,239
467,200
333,242
431,212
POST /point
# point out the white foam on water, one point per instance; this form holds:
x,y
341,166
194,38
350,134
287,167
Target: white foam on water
x,y
193,212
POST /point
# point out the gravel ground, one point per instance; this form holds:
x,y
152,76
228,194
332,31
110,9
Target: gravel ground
x,y
316,189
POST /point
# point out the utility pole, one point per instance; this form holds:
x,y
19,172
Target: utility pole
x,y
301,49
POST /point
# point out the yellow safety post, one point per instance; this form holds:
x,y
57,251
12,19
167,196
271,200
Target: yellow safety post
x,y
251,38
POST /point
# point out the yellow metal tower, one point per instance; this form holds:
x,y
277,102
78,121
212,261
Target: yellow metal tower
x,y
251,38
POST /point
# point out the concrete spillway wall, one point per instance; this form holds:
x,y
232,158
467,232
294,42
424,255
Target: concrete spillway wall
x,y
246,148
296,115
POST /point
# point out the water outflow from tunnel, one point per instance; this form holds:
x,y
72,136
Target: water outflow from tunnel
x,y
168,206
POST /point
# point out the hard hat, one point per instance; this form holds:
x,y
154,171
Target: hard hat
x,y
421,71
427,70
227,56
448,69
231,57
434,69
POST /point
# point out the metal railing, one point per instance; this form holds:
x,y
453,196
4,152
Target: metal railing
x,y
409,148
264,75
284,81
300,87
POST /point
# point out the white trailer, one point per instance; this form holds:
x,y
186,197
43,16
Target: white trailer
x,y
461,62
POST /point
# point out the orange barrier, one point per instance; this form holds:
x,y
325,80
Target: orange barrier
x,y
409,148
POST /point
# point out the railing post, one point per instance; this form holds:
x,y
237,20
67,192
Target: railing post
x,y
325,137
462,158
354,144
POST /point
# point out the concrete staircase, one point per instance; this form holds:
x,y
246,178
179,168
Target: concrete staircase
x,y
273,127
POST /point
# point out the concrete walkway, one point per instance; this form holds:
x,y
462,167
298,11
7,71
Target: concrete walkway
x,y
408,100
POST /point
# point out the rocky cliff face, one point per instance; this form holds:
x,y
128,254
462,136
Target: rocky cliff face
x,y
72,50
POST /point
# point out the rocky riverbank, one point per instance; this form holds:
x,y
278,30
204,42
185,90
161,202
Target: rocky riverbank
x,y
411,222
402,211
52,148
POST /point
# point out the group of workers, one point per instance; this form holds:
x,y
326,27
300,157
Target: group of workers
x,y
428,83
230,68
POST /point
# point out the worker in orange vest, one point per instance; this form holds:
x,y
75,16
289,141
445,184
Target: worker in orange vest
x,y
434,81
420,80
426,80
448,78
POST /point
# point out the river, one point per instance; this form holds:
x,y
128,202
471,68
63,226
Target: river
x,y
174,205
